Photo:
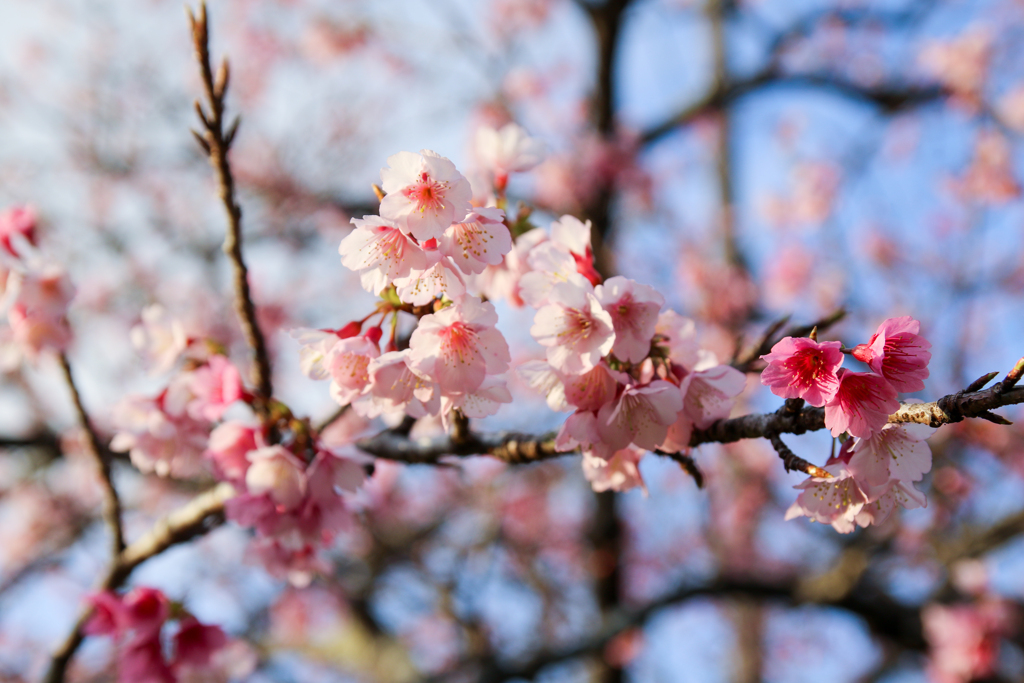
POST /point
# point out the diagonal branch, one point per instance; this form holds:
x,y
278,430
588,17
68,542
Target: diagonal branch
x,y
216,142
203,513
101,456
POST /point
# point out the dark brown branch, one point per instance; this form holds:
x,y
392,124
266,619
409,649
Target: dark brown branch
x,y
771,336
217,145
515,448
202,514
101,456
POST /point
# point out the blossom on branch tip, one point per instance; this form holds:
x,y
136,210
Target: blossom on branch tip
x,y
507,150
898,352
160,337
425,193
799,367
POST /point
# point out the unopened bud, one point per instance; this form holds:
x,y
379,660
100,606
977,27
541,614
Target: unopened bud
x,y
350,330
374,334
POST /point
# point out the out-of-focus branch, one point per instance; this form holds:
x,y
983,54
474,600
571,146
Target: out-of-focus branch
x,y
516,448
202,514
216,142
101,456
886,98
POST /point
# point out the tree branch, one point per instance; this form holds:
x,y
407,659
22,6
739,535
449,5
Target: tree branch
x,y
101,456
199,516
216,142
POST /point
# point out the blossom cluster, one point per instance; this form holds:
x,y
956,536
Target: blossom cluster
x,y
875,470
289,488
34,294
136,621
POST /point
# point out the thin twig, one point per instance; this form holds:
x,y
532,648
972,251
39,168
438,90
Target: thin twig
x,y
101,456
217,143
199,516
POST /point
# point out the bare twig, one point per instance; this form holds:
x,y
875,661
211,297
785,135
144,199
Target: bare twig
x,y
202,514
749,361
216,142
101,456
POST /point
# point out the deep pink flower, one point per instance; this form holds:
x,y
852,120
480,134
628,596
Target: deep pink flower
x,y
897,352
634,310
477,241
577,332
229,446
195,642
458,346
862,404
108,618
215,386
145,611
799,367
142,661
381,253
425,193
17,223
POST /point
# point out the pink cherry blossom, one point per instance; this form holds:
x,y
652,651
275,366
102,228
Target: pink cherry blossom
x,y
621,472
441,277
590,390
458,346
862,404
169,444
964,640
545,380
799,367
142,661
679,334
882,500
195,643
229,445
895,452
17,224
836,501
37,315
275,471
710,393
381,253
394,386
425,193
549,264
641,416
316,345
504,281
634,310
215,386
574,327
507,150
574,235
897,352
477,241
160,337
348,363
144,611
483,401
107,618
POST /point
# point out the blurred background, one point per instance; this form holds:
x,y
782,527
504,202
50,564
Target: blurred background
x,y
750,158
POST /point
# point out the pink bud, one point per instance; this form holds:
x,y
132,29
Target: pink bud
x,y
350,330
374,334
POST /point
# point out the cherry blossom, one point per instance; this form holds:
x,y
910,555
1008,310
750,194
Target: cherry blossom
x,y
710,393
641,415
836,500
963,640
483,401
228,448
195,643
381,253
214,386
894,452
316,345
477,241
634,310
425,193
348,362
574,327
897,352
507,150
37,315
160,337
441,277
458,346
17,228
799,367
862,404
156,440
275,471
574,235
545,380
394,386
550,264
883,499
621,472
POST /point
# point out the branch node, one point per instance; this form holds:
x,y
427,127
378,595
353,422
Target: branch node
x,y
979,384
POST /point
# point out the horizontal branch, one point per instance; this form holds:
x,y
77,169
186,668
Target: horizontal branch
x,y
516,448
